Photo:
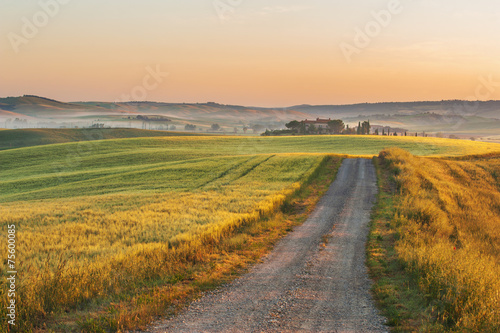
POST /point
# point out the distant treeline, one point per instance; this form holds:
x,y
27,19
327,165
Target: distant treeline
x,y
336,126
153,118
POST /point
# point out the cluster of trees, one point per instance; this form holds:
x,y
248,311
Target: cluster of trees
x,y
387,132
190,127
294,127
363,128
335,126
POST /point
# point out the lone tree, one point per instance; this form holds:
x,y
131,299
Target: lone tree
x,y
215,127
336,126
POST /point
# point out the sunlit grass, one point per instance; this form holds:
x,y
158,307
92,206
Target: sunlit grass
x,y
101,219
448,224
98,233
125,152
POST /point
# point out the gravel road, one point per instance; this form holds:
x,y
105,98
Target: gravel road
x,y
303,286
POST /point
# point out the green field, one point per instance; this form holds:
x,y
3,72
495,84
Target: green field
x,y
124,165
99,220
352,145
19,138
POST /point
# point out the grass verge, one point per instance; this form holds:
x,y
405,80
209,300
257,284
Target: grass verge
x,y
433,249
395,291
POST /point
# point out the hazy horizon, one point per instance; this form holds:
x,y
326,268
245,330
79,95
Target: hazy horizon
x,y
260,53
248,106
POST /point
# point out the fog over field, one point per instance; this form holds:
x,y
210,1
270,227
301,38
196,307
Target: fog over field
x,y
463,119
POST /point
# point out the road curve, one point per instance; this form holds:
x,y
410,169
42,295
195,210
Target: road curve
x,y
302,286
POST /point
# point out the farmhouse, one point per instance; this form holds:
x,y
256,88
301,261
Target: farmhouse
x,y
318,123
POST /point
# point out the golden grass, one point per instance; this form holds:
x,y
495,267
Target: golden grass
x,y
448,221
79,251
132,214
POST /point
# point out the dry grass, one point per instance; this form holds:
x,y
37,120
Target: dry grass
x,y
448,225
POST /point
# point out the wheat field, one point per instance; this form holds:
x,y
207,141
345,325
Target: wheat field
x,y
77,248
97,221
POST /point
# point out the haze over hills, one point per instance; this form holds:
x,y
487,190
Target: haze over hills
x,y
30,106
455,116
487,109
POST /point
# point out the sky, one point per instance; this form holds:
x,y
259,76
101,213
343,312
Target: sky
x,y
272,53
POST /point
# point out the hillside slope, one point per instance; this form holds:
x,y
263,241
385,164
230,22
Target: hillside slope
x,y
486,109
40,107
476,119
18,138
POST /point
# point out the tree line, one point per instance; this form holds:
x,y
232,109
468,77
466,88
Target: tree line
x,y
335,126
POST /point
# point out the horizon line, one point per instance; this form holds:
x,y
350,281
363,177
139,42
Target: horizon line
x,y
254,106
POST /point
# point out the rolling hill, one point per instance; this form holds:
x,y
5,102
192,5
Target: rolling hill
x,y
452,117
40,107
486,109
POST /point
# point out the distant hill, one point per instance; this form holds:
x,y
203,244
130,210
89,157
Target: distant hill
x,y
40,107
18,138
31,105
37,101
10,114
203,111
453,116
487,109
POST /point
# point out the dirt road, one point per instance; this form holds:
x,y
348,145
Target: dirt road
x,y
302,286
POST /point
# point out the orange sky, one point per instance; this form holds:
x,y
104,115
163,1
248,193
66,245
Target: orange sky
x,y
259,52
